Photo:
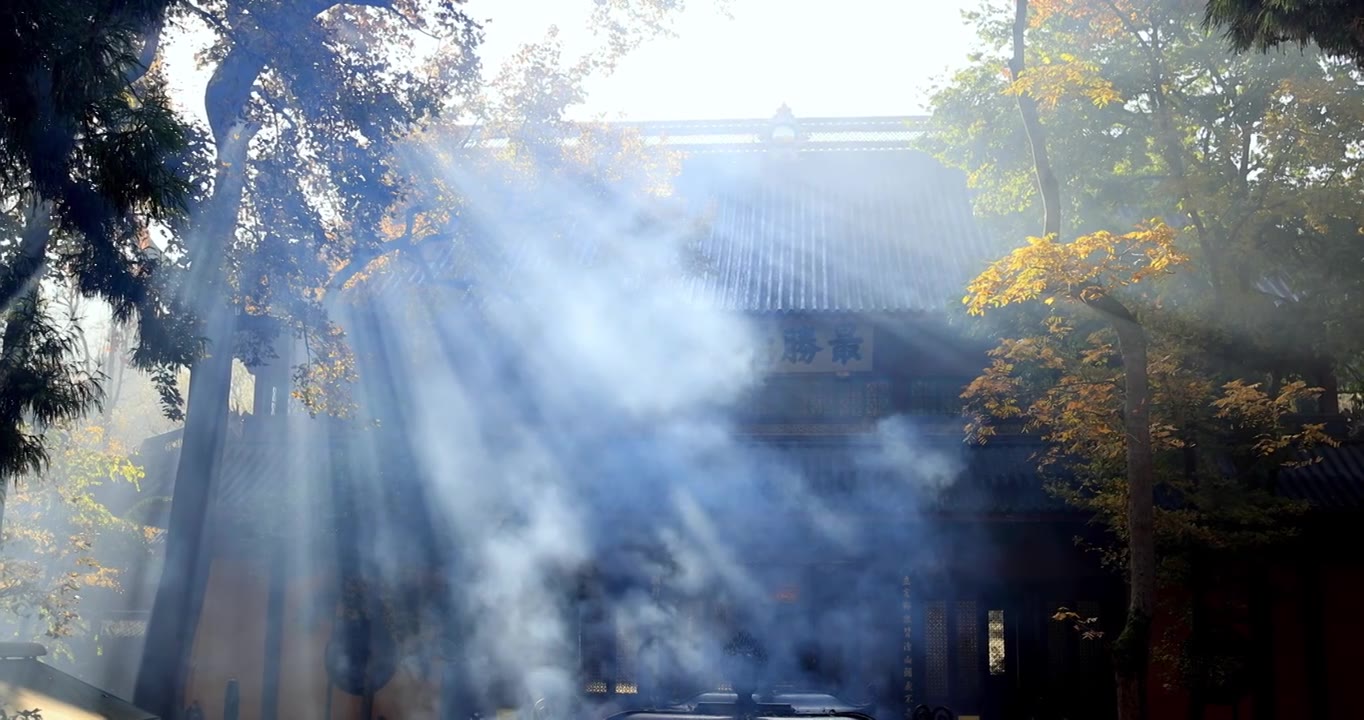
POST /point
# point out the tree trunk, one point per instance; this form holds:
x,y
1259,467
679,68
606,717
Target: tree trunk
x,y
179,596
1131,651
1047,185
1324,376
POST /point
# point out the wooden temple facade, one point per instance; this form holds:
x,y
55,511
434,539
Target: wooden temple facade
x,y
848,249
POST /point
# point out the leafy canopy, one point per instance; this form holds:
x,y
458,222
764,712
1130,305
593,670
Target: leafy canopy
x,y
1082,269
62,543
1266,24
91,154
1242,163
1254,159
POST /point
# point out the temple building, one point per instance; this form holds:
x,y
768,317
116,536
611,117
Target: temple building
x,y
846,250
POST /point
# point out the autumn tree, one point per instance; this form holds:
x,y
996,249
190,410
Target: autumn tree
x,y
1092,270
1250,155
1150,118
513,142
1218,442
63,546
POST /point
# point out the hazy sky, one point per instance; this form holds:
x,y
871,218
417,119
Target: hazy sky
x,y
838,57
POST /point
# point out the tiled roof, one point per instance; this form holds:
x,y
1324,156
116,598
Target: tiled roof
x,y
848,219
831,231
1335,483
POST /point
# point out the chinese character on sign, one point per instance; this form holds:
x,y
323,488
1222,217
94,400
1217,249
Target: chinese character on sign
x,y
846,344
800,344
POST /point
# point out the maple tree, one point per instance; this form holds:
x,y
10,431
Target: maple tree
x,y
1160,385
1089,271
1254,156
63,545
1071,390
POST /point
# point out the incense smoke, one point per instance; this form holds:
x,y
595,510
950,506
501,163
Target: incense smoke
x,y
573,413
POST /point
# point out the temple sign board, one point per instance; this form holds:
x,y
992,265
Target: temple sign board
x,y
815,345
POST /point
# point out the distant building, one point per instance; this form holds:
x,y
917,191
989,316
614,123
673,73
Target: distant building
x,y
845,250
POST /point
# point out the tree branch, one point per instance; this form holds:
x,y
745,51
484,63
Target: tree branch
x,y
1047,184
28,268
151,44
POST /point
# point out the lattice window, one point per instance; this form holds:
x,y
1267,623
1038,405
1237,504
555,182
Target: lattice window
x,y
597,647
907,646
968,649
995,641
936,651
627,653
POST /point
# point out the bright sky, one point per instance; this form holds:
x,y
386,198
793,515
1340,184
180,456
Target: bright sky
x,y
830,58
839,57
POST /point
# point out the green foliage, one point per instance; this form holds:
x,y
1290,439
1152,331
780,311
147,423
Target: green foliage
x,y
73,115
1266,24
62,543
305,102
91,153
541,178
42,383
1254,159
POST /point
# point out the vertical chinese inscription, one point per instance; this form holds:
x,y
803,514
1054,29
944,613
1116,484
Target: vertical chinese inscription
x,y
907,646
799,344
846,344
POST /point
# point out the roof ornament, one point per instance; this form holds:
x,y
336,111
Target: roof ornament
x,y
783,128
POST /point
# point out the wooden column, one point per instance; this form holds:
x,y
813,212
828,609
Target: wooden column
x,y
1314,628
274,637
1262,643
